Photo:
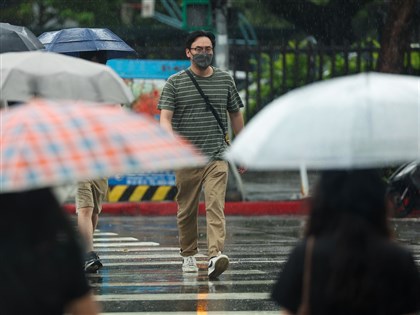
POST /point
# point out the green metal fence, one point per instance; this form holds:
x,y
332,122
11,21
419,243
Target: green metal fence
x,y
263,73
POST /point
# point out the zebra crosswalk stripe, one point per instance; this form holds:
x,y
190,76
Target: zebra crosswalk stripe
x,y
147,272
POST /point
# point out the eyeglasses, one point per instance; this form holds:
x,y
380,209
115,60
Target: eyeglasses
x,y
200,49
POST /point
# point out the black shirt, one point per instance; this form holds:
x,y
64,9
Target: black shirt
x,y
393,275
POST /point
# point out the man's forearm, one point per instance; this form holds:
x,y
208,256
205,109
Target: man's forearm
x,y
237,122
167,125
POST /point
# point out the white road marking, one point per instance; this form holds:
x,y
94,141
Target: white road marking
x,y
115,251
197,312
152,255
185,296
114,239
105,234
126,244
138,249
159,263
123,274
180,283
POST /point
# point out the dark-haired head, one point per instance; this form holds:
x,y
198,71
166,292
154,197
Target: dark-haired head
x,y
32,215
196,34
41,246
98,56
346,197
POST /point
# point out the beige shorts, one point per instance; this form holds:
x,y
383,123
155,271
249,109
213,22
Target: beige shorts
x,y
92,193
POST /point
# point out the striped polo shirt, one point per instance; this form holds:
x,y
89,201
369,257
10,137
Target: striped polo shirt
x,y
191,118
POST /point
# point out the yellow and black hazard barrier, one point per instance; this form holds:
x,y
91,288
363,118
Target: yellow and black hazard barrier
x,y
141,193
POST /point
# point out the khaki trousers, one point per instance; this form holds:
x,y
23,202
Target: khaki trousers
x,y
189,182
92,194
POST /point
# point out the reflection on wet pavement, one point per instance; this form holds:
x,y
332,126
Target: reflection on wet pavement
x,y
142,266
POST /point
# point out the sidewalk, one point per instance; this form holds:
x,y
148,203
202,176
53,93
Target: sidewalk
x,y
266,193
242,208
245,208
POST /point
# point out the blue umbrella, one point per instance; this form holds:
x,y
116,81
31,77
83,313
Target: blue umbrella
x,y
73,41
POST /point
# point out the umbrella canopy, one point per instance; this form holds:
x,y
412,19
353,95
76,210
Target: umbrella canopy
x,y
72,41
24,75
17,38
44,143
358,121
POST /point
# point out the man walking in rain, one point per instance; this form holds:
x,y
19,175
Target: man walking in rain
x,y
89,198
90,195
185,111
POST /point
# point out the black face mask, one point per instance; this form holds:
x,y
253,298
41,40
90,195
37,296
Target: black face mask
x,y
203,60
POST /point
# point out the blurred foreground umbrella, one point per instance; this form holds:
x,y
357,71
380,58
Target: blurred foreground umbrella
x,y
24,75
44,143
358,121
72,41
17,38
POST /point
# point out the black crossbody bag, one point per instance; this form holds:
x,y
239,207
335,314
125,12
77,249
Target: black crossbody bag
x,y
206,99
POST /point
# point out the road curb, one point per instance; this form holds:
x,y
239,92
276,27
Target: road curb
x,y
245,208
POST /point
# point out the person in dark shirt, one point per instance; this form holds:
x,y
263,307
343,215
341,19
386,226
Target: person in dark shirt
x,y
41,265
357,267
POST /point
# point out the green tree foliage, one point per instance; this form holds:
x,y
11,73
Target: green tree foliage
x,y
123,17
41,15
328,21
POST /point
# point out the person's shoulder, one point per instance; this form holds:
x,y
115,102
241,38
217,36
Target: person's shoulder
x,y
220,72
298,251
222,75
391,253
175,79
179,74
393,247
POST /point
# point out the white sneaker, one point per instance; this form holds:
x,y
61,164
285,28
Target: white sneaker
x,y
189,264
218,265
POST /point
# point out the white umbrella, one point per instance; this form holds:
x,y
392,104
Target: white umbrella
x,y
24,75
17,38
357,121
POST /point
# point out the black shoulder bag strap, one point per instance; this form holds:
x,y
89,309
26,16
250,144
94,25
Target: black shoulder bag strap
x,y
206,99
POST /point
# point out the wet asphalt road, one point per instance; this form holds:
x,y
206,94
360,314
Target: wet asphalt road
x,y
142,267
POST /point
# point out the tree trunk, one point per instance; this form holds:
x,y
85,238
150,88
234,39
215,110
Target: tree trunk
x,y
396,36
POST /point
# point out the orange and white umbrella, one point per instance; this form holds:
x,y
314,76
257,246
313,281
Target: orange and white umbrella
x,y
45,143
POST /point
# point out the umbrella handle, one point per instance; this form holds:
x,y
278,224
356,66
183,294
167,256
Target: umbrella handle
x,y
304,182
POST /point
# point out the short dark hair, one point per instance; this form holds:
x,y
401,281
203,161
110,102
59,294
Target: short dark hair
x,y
340,194
97,56
194,35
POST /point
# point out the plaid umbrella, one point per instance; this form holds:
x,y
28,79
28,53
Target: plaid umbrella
x,y
46,144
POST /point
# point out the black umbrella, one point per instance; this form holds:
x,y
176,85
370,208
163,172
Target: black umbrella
x,y
79,41
17,38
